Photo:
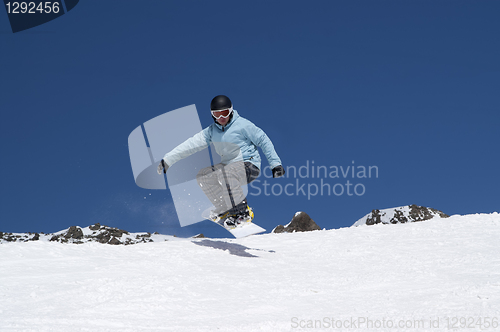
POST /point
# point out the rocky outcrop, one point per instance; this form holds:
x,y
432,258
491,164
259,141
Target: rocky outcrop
x,y
94,233
399,215
301,222
199,236
74,232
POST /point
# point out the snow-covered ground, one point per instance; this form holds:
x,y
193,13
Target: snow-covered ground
x,y
427,276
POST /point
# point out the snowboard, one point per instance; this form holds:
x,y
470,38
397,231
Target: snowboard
x,y
244,229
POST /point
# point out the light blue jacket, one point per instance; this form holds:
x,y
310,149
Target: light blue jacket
x,y
238,140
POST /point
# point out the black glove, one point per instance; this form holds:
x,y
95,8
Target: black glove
x,y
278,171
163,166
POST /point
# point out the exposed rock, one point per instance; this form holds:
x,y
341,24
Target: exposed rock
x,y
399,215
141,236
36,237
74,232
301,222
420,213
116,232
103,238
114,241
279,229
95,227
199,236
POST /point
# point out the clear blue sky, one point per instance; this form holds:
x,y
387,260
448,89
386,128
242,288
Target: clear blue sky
x,y
410,87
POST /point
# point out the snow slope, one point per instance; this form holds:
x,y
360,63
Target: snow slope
x,y
418,275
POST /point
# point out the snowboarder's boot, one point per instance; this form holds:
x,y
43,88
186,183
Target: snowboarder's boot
x,y
239,218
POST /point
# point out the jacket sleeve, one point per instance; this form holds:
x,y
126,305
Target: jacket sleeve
x,y
260,139
190,146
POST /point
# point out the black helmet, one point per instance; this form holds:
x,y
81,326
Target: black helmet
x,y
220,102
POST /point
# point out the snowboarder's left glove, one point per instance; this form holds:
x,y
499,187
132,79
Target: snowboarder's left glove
x,y
278,171
163,166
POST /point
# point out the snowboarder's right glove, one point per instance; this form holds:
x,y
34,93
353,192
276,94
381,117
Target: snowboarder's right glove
x,y
163,166
278,171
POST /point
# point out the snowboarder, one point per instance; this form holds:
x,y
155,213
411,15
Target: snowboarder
x,y
236,140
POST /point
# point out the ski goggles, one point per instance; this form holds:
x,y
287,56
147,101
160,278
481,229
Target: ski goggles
x,y
222,113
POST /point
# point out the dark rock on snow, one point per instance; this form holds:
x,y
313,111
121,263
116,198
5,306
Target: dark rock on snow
x,y
74,232
301,222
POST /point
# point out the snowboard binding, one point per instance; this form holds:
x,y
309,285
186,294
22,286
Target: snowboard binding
x,y
237,220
